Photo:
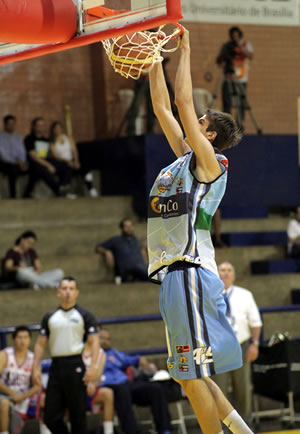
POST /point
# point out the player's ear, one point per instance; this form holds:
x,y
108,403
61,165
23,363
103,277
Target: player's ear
x,y
211,135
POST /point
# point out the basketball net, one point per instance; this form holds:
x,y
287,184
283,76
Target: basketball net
x,y
142,55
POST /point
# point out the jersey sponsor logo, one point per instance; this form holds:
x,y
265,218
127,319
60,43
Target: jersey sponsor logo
x,y
170,365
203,355
183,359
182,349
183,368
75,320
170,206
155,205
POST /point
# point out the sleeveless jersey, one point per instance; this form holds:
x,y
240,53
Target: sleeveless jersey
x,y
180,214
18,377
63,147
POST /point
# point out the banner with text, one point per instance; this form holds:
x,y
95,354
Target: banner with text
x,y
259,12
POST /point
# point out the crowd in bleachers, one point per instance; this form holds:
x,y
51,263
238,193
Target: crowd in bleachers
x,y
51,157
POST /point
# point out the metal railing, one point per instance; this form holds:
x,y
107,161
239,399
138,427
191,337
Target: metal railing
x,y
4,331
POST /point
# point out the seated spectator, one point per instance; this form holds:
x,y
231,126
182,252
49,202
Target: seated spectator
x,y
293,232
142,393
12,153
99,396
16,391
23,264
124,254
41,166
63,148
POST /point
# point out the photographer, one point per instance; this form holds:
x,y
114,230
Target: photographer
x,y
234,57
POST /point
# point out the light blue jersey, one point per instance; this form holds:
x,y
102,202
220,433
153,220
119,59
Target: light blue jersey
x,y
180,213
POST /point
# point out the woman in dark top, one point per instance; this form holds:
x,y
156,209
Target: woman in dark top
x,y
41,166
22,263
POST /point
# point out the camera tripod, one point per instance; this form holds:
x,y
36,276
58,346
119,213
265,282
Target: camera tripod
x,y
234,95
142,93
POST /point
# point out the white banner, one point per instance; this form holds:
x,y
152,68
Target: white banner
x,y
259,12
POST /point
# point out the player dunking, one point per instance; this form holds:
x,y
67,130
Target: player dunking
x,y
183,200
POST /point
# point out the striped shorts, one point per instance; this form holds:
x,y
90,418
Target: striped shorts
x,y
200,339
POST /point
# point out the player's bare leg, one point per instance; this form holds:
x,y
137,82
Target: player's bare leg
x,y
4,415
203,404
106,398
227,413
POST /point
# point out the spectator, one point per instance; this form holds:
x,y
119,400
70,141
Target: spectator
x,y
234,56
293,232
124,254
245,319
41,166
12,153
64,149
22,264
15,381
66,329
142,393
99,396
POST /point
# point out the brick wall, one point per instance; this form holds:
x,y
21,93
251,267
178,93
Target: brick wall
x,y
274,83
84,79
42,86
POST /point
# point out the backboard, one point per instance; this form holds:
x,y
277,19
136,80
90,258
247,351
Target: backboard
x,y
96,20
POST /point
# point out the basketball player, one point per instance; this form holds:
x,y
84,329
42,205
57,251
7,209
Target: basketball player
x,y
183,200
15,381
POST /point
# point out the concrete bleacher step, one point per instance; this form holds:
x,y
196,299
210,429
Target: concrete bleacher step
x,y
57,211
78,238
272,223
240,257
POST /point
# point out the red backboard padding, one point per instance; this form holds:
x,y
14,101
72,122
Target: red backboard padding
x,y
37,21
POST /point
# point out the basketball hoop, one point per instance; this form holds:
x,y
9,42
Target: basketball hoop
x,y
135,54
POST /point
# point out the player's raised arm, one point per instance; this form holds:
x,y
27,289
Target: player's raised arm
x,y
205,155
163,111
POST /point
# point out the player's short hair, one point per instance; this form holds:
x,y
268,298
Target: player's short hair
x,y
69,279
228,133
26,234
21,328
8,118
125,219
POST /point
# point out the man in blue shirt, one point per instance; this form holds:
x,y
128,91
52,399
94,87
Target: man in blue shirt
x,y
12,153
142,393
125,254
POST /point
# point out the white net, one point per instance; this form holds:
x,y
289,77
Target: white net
x,y
135,54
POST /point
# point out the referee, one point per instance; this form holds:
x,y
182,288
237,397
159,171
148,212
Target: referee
x,y
66,329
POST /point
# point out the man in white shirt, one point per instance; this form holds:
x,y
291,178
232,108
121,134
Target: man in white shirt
x,y
293,232
244,317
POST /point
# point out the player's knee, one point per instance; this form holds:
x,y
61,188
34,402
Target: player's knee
x,y
108,395
4,405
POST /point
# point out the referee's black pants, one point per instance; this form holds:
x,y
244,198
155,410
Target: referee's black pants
x,y
142,393
66,390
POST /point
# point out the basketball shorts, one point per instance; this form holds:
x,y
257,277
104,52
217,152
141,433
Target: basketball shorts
x,y
200,339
